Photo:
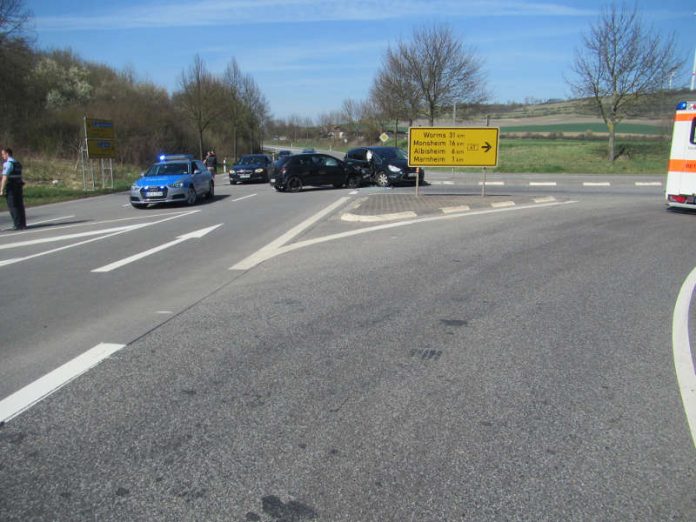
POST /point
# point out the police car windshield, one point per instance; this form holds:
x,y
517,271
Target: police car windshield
x,y
165,169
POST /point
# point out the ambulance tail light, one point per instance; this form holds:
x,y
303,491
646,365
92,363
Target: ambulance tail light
x,y
676,199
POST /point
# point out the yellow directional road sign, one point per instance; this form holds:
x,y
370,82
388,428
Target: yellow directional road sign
x,y
101,149
453,146
102,129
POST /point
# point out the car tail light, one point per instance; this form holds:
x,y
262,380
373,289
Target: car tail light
x,y
676,199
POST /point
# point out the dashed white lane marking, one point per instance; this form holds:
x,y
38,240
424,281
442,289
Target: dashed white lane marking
x,y
244,197
648,183
492,183
271,248
596,184
25,398
683,359
164,312
542,183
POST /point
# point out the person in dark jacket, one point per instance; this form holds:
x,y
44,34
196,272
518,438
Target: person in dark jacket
x,y
11,186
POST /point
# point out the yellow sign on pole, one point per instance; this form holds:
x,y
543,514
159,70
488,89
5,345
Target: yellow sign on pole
x,y
103,129
101,149
453,146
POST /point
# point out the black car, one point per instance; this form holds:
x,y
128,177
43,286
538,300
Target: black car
x,y
301,170
251,167
283,154
384,165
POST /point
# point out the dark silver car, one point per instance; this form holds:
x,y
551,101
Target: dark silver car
x,y
251,167
301,170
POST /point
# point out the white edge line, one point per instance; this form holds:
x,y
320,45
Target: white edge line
x,y
271,248
341,235
683,360
38,390
49,220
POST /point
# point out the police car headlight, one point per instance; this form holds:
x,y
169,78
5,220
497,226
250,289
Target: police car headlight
x,y
135,187
178,184
394,169
258,171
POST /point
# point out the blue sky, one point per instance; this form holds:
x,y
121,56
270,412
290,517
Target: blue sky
x,y
307,56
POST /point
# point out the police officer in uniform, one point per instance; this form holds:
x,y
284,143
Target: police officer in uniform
x,y
12,187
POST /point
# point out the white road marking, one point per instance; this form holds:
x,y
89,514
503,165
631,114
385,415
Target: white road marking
x,y
542,183
596,184
25,398
49,220
547,199
683,359
12,261
66,237
493,183
270,249
244,197
648,184
269,252
381,217
197,234
93,223
503,204
452,210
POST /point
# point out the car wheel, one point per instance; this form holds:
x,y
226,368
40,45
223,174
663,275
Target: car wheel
x,y
382,179
294,184
211,192
338,185
191,196
353,182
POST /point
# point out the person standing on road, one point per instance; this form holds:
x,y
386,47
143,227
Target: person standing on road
x,y
12,187
211,162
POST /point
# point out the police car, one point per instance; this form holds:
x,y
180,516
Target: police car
x,y
174,178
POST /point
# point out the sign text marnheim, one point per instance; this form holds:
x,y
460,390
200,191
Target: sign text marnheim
x,y
453,146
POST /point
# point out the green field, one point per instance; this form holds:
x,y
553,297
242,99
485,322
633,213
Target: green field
x,y
592,128
552,156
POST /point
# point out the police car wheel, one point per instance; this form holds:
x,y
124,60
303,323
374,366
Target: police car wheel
x,y
191,196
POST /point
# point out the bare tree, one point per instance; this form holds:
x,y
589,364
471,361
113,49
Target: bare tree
x,y
395,91
443,70
619,63
201,97
13,18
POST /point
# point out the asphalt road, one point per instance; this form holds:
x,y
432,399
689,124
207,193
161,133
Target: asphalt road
x,y
512,365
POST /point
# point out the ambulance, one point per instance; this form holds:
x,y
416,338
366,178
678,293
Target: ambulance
x,y
681,175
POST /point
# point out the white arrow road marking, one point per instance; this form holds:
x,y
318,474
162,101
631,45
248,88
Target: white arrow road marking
x,y
25,398
197,234
115,232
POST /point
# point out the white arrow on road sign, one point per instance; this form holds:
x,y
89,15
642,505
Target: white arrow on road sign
x,y
197,234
